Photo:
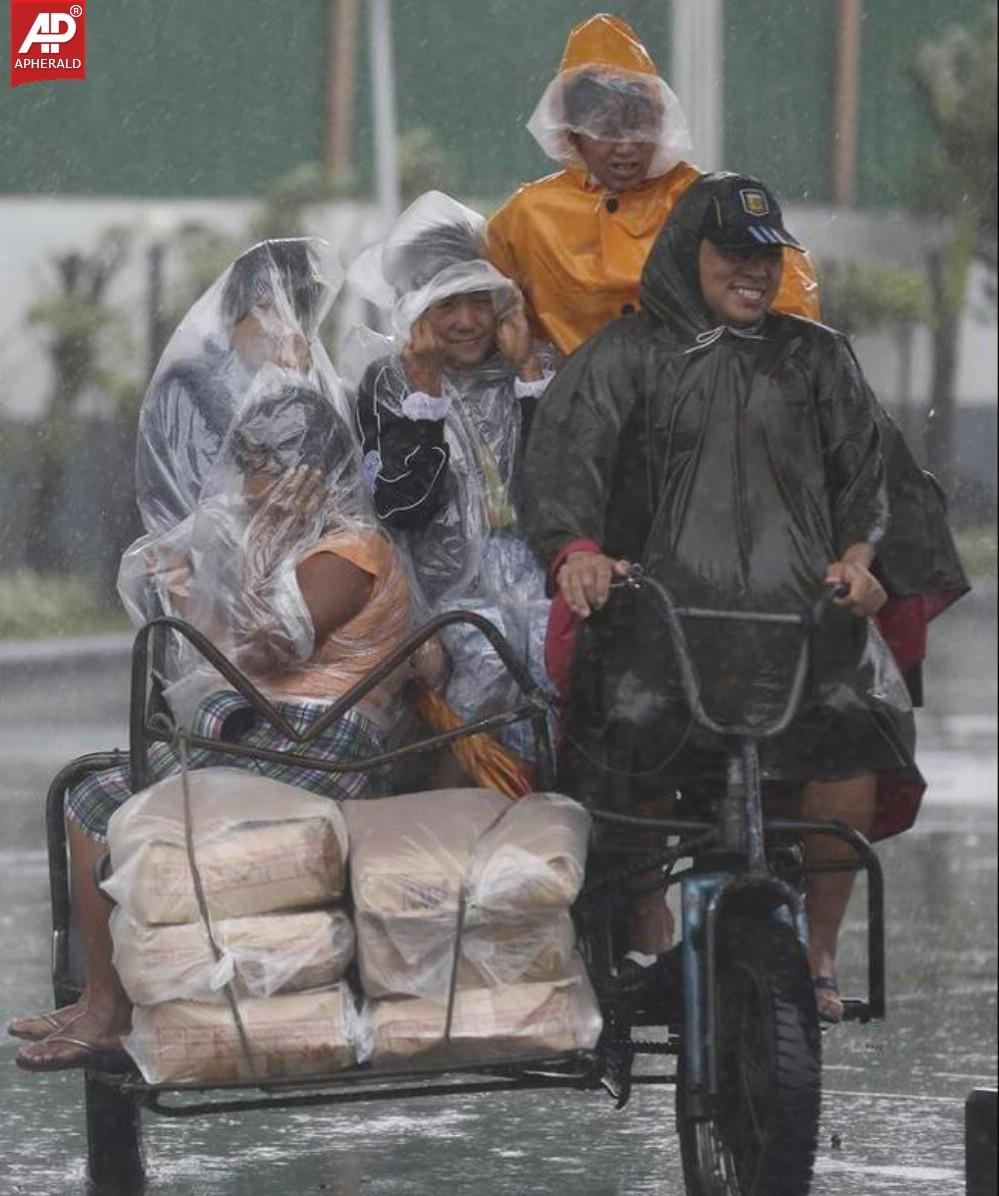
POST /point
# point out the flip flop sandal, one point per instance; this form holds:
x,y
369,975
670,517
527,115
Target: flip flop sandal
x,y
826,984
36,1026
97,1058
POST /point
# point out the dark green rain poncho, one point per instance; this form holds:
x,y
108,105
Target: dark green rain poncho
x,y
735,465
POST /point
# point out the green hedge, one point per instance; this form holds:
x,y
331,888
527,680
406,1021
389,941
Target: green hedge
x,y
42,605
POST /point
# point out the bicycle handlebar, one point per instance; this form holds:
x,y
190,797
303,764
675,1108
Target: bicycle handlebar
x,y
638,579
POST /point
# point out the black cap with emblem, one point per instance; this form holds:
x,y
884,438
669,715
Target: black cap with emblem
x,y
744,214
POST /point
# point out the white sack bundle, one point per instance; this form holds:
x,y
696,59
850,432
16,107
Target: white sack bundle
x,y
301,1034
260,846
506,873
261,955
414,953
519,1021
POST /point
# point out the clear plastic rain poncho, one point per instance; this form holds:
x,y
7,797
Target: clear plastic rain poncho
x,y
610,104
266,308
442,470
283,487
433,251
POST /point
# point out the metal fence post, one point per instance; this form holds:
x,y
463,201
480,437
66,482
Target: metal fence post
x,y
980,1143
114,1140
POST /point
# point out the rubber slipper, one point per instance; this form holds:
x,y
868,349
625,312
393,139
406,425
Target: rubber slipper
x,y
36,1026
87,1054
830,1011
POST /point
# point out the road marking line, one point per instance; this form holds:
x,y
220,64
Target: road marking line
x,y
978,1077
889,1171
937,1100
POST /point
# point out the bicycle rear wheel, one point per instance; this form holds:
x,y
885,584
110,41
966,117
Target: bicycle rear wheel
x,y
760,1137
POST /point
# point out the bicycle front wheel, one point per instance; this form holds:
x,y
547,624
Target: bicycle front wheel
x,y
761,1135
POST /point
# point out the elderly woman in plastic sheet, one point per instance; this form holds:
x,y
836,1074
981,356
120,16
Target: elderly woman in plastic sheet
x,y
278,565
575,242
443,416
738,455
266,308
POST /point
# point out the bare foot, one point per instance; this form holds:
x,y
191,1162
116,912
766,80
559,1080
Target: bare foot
x,y
87,1040
828,1002
36,1026
650,928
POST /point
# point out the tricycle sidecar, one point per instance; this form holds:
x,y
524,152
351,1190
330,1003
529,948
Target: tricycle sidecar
x,y
701,1008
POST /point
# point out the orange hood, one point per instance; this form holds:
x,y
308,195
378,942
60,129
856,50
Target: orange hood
x,y
605,40
605,46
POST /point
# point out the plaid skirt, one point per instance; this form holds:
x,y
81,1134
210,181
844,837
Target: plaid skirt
x,y
228,716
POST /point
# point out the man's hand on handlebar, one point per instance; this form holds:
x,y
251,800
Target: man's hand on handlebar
x,y
866,595
584,581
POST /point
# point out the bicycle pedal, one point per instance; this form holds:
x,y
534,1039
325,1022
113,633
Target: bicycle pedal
x,y
616,1079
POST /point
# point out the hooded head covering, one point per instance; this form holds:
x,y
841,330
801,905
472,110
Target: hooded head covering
x,y
434,250
608,88
285,423
670,286
281,274
229,568
294,280
205,373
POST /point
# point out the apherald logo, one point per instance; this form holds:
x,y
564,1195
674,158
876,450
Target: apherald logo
x,y
49,41
49,31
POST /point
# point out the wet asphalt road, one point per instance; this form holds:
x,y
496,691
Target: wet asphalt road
x,y
893,1093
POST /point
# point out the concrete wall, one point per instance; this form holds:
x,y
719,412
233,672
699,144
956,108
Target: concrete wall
x,y
32,230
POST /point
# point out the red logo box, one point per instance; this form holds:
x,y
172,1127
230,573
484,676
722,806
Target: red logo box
x,y
47,40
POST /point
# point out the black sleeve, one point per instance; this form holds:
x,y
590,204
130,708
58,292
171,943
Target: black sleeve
x,y
852,447
405,461
573,449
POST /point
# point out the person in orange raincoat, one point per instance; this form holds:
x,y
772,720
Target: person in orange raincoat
x,y
576,241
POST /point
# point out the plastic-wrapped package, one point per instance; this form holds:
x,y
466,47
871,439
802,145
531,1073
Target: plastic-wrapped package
x,y
261,955
414,952
533,858
487,1025
417,851
434,251
260,846
413,847
266,308
296,1035
428,867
